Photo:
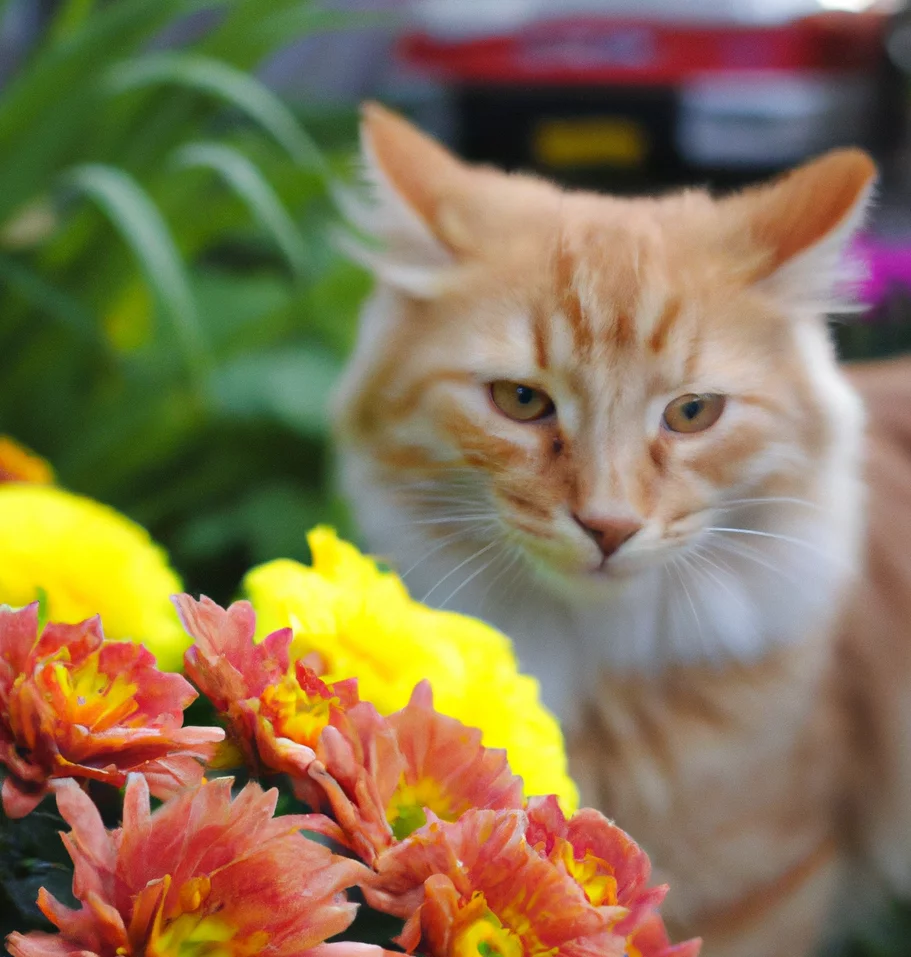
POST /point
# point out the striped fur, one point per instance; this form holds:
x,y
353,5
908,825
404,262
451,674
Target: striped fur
x,y
722,691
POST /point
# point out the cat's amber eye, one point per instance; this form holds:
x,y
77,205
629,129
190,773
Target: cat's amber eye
x,y
693,413
520,402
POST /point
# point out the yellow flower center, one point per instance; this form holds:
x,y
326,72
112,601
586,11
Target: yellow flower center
x,y
405,811
193,932
484,934
591,873
295,713
94,700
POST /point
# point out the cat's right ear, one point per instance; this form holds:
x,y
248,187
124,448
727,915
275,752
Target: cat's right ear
x,y
412,205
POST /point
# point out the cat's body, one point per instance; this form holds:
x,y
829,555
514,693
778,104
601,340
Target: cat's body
x,y
695,600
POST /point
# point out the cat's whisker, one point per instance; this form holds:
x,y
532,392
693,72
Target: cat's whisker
x,y
676,641
770,500
510,588
477,554
776,536
702,553
469,579
744,551
698,621
513,555
453,519
448,540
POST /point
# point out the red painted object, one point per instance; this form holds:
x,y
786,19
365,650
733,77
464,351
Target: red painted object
x,y
601,50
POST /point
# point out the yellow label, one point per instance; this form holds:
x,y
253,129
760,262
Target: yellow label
x,y
590,141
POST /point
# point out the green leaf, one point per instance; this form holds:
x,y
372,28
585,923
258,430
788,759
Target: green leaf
x,y
291,386
245,178
33,856
49,109
47,298
142,227
233,86
71,15
270,521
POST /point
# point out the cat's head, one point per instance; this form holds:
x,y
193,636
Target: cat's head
x,y
601,383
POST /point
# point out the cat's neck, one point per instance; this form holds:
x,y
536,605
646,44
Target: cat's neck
x,y
777,575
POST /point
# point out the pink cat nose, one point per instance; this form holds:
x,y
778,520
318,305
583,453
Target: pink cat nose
x,y
608,533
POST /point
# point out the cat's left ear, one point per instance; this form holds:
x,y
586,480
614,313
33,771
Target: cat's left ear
x,y
799,225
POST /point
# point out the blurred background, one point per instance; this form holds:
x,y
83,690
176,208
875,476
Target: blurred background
x,y
173,314
172,311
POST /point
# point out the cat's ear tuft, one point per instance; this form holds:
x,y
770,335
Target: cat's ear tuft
x,y
410,179
799,225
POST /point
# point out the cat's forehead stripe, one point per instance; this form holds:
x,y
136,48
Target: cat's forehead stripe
x,y
539,326
570,301
665,322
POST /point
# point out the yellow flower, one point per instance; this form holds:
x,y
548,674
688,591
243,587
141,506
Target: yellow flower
x,y
362,623
87,559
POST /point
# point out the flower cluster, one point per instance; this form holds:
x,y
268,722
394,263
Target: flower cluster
x,y
376,776
75,706
409,735
454,847
487,884
352,618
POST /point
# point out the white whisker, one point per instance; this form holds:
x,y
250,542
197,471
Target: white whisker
x,y
468,580
789,539
744,551
446,540
462,564
771,500
452,519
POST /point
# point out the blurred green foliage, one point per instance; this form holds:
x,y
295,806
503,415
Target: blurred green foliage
x,y
172,314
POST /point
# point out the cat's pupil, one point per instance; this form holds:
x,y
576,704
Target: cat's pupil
x,y
692,408
524,394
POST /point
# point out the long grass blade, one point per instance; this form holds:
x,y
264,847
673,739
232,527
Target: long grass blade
x,y
48,299
142,227
245,178
227,83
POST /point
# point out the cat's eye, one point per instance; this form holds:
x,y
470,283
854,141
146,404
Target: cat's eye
x,y
693,413
521,402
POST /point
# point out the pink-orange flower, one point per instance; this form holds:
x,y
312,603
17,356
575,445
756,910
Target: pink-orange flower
x,y
379,777
374,775
73,705
203,875
477,887
274,711
610,868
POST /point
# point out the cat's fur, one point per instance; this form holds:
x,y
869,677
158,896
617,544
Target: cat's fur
x,y
735,680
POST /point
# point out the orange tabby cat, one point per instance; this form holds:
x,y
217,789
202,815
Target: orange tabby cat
x,y
616,429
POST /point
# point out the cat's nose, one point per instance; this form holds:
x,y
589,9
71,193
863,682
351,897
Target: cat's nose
x,y
608,533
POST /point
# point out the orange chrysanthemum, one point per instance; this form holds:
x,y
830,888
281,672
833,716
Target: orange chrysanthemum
x,y
477,887
380,777
274,709
74,705
610,868
203,875
374,775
